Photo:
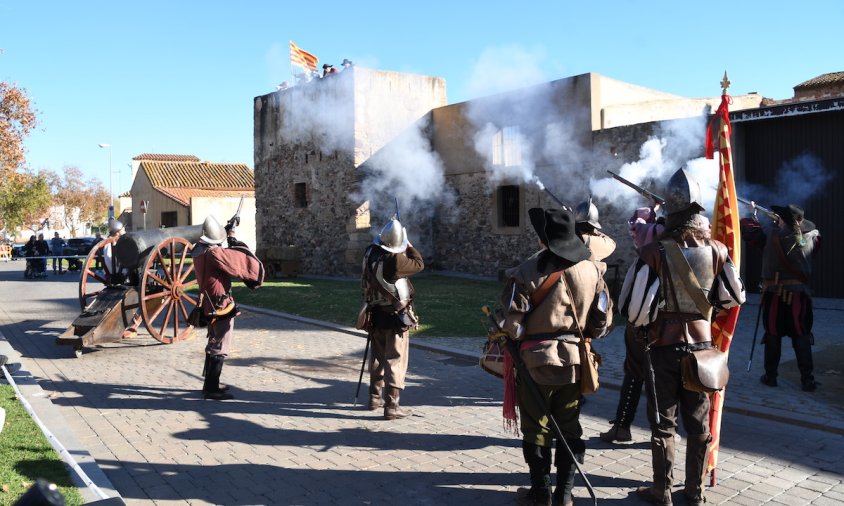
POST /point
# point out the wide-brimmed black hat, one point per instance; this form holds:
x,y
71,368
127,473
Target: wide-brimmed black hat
x,y
790,213
556,229
327,65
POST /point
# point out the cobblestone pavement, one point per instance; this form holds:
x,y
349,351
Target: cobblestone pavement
x,y
291,436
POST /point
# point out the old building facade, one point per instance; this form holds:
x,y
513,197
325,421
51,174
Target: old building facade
x,y
313,181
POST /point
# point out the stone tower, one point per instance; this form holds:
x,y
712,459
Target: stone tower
x,y
310,142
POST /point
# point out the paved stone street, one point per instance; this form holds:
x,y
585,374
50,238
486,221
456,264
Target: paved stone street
x,y
291,436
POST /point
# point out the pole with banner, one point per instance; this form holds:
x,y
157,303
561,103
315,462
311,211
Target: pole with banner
x,y
725,228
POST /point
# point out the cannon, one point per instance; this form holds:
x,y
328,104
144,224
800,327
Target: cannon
x,y
160,287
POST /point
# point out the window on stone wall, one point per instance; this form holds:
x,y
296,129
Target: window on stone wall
x,y
507,147
508,206
300,195
169,219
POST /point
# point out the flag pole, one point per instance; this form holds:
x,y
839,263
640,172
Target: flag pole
x,y
725,228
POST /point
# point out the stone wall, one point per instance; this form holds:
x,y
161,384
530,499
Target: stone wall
x,y
310,141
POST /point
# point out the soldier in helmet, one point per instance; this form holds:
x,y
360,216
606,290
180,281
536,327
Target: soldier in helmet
x,y
215,265
788,243
589,230
387,265
656,296
115,273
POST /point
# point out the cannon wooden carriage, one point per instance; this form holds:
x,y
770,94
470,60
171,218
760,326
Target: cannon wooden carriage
x,y
160,286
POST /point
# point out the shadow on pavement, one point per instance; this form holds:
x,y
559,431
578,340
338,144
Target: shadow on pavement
x,y
280,485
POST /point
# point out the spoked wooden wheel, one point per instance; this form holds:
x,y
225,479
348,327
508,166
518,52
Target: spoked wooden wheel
x,y
168,274
91,282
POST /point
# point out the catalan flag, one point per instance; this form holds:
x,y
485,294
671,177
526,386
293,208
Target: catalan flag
x,y
725,228
302,58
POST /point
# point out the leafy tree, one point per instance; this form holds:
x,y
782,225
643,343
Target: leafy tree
x,y
24,200
17,119
22,195
81,201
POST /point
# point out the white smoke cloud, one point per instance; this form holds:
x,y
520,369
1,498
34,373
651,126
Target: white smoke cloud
x,y
529,136
320,113
676,144
407,168
505,68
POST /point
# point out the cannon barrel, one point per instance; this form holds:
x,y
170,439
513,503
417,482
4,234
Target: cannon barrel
x,y
134,247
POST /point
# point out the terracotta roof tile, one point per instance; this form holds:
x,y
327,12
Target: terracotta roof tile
x,y
166,158
822,80
202,175
183,195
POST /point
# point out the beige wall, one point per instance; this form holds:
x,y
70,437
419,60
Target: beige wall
x,y
223,208
158,203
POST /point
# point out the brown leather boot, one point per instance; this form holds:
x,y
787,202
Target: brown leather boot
x,y
375,399
697,453
662,454
392,410
616,434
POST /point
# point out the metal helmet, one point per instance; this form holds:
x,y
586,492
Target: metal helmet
x,y
114,226
212,231
393,237
682,193
587,212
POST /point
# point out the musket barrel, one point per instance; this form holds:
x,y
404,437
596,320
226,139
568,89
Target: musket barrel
x,y
133,248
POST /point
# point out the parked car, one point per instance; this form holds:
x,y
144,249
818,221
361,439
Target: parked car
x,y
79,245
17,250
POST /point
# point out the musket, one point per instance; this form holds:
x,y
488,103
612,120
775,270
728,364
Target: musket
x,y
522,374
545,188
232,224
771,214
643,192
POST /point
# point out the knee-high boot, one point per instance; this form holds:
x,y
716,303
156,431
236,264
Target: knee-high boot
x,y
773,350
697,453
211,389
803,353
538,459
566,470
662,454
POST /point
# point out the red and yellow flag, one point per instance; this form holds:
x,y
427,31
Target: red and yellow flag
x,y
725,228
302,58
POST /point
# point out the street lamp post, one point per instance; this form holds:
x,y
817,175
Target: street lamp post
x,y
110,186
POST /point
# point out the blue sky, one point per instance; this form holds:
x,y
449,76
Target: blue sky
x,y
179,77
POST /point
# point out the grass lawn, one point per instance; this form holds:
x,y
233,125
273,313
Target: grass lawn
x,y
26,455
447,306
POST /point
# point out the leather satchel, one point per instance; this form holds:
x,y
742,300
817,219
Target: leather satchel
x,y
589,359
492,358
589,363
364,320
705,370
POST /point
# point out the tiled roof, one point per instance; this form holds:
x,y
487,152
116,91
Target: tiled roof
x,y
822,80
183,195
125,194
202,175
166,158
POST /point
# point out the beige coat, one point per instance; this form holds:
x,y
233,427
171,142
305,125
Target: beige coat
x,y
548,332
